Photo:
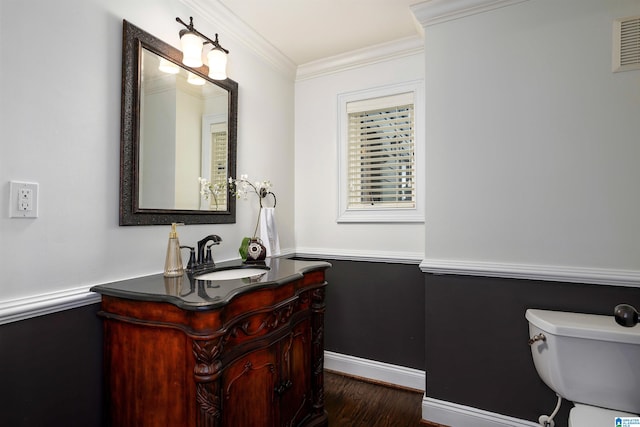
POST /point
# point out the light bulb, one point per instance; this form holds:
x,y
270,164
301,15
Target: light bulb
x,y
217,64
191,49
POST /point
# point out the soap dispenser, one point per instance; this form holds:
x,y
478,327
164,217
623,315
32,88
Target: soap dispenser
x,y
173,264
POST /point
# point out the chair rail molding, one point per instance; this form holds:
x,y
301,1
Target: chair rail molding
x,y
432,12
359,255
586,275
52,302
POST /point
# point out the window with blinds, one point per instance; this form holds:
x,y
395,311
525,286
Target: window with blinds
x,y
381,153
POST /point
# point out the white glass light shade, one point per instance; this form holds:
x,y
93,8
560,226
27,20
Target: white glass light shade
x,y
217,64
195,80
168,67
191,49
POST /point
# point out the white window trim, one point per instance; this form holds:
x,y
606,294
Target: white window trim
x,y
381,214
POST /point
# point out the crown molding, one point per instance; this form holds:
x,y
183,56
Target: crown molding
x,y
361,57
432,12
586,275
230,25
218,14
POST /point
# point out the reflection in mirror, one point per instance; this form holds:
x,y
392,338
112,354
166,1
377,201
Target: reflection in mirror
x,y
177,125
215,151
184,122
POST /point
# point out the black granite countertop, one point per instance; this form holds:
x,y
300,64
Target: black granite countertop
x,y
196,295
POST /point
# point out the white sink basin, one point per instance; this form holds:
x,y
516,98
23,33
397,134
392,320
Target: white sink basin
x,y
236,273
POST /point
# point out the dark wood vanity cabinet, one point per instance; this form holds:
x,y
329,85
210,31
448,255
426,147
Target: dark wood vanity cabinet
x,y
283,371
255,359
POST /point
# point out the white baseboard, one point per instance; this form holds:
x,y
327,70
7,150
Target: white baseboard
x,y
455,415
433,410
373,370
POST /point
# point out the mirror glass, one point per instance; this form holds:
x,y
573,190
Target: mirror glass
x,y
183,122
177,125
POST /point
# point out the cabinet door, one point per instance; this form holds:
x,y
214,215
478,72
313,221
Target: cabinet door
x,y
294,387
247,384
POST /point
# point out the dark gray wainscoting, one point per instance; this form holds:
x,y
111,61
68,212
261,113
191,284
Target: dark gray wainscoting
x,y
375,310
51,370
476,339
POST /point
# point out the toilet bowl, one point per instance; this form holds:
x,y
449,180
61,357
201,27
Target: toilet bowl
x,y
592,416
590,360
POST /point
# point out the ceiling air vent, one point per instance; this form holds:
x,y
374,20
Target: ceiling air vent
x,y
626,44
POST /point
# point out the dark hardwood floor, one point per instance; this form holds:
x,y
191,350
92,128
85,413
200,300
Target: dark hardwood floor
x,y
353,402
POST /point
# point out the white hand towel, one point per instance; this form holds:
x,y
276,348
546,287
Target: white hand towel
x,y
269,232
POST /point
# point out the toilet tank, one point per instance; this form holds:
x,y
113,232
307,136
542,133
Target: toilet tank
x,y
587,358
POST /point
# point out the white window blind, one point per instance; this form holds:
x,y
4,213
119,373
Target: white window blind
x,y
219,146
381,153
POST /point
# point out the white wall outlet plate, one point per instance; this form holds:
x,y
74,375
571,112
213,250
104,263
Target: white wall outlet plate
x,y
23,199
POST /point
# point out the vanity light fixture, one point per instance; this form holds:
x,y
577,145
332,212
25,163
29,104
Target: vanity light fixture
x,y
193,43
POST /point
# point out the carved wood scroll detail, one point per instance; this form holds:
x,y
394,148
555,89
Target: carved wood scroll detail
x,y
208,364
207,374
276,318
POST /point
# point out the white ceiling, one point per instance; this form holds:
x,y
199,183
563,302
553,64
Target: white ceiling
x,y
307,30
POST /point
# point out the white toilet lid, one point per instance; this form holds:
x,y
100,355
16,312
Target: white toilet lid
x,y
592,416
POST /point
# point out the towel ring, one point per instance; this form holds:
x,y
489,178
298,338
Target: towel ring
x,y
265,194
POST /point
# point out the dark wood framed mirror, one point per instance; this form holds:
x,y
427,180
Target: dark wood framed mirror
x,y
177,125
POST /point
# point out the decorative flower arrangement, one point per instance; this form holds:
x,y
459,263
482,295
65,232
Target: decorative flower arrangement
x,y
210,190
240,189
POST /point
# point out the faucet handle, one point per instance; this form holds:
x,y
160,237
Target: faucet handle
x,y
208,258
192,257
